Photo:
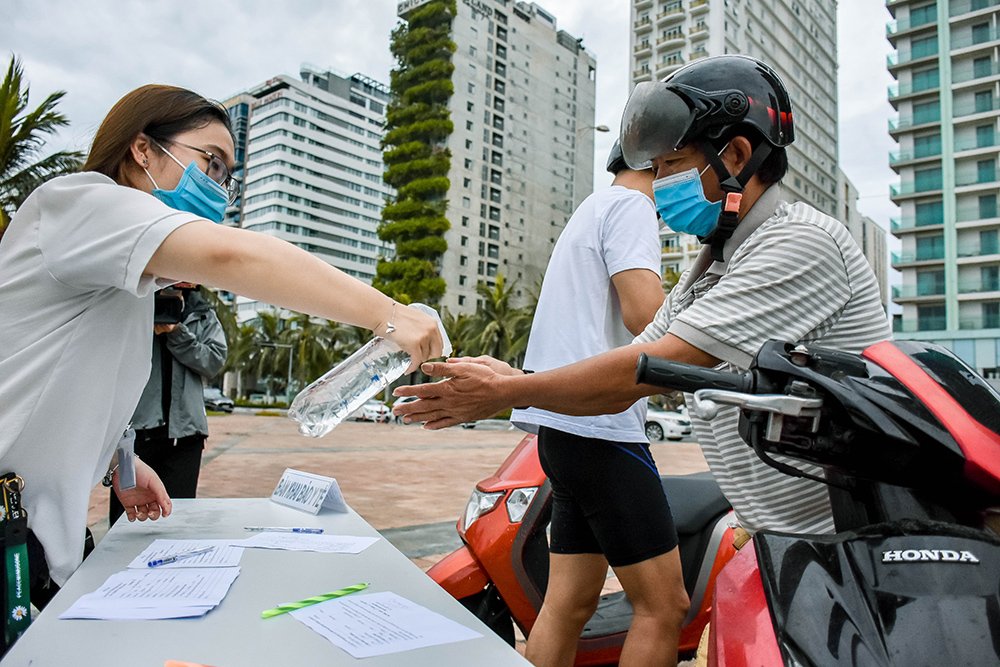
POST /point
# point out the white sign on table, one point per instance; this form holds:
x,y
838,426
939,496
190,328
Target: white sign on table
x,y
308,492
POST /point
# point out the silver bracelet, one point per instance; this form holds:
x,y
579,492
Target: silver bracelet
x,y
389,326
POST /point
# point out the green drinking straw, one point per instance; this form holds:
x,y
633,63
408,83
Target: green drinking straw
x,y
316,599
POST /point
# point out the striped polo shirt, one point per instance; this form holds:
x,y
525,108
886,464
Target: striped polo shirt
x,y
790,273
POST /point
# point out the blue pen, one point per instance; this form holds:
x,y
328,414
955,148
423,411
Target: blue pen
x,y
176,557
275,529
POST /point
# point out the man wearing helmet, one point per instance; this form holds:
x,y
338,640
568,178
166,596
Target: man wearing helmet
x,y
714,132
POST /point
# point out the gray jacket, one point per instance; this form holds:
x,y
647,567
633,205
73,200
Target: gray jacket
x,y
198,347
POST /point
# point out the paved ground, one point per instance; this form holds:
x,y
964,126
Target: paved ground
x,y
395,476
409,483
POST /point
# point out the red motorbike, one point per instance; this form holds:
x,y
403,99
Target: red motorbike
x,y
908,438
501,570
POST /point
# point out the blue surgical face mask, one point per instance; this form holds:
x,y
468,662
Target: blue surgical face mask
x,y
681,203
195,193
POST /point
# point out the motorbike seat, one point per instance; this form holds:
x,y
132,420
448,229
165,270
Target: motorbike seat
x,y
695,501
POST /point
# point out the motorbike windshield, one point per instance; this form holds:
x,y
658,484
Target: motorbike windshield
x,y
969,389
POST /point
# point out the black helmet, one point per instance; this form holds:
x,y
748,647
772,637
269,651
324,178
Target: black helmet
x,y
616,162
706,99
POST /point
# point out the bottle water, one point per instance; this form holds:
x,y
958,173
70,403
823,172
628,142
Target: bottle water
x,y
321,406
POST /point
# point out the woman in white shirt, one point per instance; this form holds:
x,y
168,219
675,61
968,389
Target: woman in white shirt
x,y
78,267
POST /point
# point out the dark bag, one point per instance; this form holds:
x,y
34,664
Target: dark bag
x,y
14,573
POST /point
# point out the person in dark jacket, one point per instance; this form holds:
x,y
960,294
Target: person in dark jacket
x,y
170,422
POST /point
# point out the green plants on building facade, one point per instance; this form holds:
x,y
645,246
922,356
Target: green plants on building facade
x,y
418,124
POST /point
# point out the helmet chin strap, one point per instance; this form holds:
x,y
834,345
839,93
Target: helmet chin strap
x,y
732,186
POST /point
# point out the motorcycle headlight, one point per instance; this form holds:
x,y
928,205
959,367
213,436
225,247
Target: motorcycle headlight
x,y
479,504
519,501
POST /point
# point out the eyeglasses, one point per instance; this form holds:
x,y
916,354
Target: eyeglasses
x,y
217,170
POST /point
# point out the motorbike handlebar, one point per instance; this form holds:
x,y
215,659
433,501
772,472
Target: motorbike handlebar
x,y
686,377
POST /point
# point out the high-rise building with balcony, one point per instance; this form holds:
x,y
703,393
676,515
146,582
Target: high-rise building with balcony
x,y
796,37
522,151
869,235
310,152
239,107
947,95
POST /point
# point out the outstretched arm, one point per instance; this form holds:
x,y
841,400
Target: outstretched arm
x,y
599,385
269,269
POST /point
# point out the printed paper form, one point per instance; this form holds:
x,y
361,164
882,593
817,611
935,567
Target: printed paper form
x,y
155,593
381,623
334,544
224,554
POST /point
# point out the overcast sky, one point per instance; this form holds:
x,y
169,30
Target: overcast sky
x,y
99,50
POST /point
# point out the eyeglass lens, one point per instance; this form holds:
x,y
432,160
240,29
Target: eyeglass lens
x,y
218,172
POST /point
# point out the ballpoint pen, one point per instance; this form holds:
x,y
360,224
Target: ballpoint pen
x,y
278,529
156,562
316,599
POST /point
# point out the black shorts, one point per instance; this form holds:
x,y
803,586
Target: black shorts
x,y
606,498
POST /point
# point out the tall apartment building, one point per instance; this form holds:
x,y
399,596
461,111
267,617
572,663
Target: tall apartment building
x,y
313,167
796,37
239,107
869,235
947,93
523,146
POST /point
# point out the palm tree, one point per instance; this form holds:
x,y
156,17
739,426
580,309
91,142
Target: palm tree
x,y
346,340
521,324
21,140
497,327
313,344
241,347
260,358
457,327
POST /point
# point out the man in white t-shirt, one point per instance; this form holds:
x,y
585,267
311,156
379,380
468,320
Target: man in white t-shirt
x,y
601,288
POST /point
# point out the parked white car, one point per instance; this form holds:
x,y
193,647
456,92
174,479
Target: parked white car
x,y
373,411
662,424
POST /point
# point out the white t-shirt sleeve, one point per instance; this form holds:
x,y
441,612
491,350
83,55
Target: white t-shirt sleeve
x,y
793,282
630,235
95,234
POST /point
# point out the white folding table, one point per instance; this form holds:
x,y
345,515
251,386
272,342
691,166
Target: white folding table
x,y
233,634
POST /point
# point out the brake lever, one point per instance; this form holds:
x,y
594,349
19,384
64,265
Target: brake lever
x,y
708,402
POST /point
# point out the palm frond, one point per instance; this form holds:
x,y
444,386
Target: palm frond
x,y
16,187
22,138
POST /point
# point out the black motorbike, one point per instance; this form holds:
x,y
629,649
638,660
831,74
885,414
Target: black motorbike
x,y
908,439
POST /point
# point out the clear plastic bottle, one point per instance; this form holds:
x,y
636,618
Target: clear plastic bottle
x,y
321,406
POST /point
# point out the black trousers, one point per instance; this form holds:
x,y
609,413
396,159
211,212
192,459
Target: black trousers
x,y
176,461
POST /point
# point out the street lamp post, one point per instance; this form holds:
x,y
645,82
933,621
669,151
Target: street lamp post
x,y
579,132
288,386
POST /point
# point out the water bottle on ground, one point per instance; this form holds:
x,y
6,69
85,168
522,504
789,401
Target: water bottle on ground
x,y
321,406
